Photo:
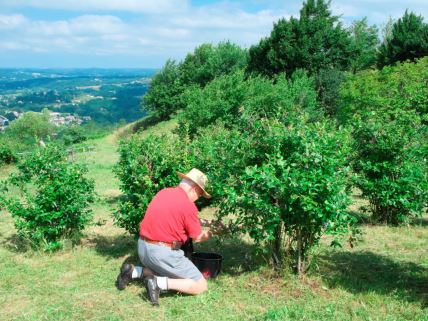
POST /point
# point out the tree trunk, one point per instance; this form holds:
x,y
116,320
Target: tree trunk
x,y
300,258
277,245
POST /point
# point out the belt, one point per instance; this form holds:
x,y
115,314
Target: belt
x,y
174,245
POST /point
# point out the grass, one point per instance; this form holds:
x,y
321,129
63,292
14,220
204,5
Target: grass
x,y
384,277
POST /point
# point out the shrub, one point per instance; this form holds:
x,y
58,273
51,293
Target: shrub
x,y
72,135
273,160
145,167
7,156
235,100
55,198
31,127
298,193
402,87
391,163
389,111
328,84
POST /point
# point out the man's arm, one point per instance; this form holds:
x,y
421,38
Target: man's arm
x,y
205,235
216,228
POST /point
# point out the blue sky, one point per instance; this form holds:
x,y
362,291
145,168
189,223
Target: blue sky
x,y
144,33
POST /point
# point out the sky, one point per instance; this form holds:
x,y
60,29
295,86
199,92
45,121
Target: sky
x,y
145,33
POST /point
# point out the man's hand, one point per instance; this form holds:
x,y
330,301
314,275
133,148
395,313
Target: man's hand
x,y
205,235
218,228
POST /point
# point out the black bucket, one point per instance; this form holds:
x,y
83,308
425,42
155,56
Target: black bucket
x,y
208,263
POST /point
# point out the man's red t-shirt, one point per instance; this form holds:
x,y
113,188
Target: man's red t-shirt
x,y
170,216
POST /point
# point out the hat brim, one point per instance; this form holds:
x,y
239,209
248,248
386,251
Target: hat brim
x,y
204,192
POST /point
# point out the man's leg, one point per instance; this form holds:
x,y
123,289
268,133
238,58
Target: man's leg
x,y
140,272
188,286
130,272
154,285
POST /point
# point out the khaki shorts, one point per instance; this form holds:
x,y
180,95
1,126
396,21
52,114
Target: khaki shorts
x,y
166,262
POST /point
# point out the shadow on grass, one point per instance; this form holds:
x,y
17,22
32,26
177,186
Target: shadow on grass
x,y
365,272
115,246
238,255
16,244
361,217
422,221
110,200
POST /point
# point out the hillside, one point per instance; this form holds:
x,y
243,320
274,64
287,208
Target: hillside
x,y
384,277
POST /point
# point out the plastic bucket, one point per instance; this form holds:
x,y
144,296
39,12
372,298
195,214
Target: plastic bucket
x,y
208,263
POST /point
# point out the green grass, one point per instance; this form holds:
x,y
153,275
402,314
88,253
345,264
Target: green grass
x,y
384,277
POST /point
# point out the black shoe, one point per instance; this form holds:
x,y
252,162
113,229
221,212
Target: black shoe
x,y
153,290
125,276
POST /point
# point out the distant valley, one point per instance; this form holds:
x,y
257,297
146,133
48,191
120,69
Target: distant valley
x,y
105,96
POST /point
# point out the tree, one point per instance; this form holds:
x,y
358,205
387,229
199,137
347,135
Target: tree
x,y
31,127
408,41
163,97
364,45
198,68
313,42
208,62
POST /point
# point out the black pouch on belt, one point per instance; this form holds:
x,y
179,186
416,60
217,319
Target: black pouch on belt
x,y
187,248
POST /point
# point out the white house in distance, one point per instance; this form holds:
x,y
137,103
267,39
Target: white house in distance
x,y
60,119
4,122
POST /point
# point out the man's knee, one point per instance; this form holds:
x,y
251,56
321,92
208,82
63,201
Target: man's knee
x,y
201,286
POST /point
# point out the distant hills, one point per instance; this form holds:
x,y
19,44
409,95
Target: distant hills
x,y
106,95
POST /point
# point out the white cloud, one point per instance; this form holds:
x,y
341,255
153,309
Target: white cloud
x,y
378,12
11,21
93,24
12,45
160,28
229,20
141,6
104,34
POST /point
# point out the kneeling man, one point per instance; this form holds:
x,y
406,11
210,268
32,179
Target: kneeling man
x,y
170,220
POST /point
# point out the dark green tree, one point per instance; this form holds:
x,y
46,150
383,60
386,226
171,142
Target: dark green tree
x,y
163,97
364,45
208,62
408,40
315,41
198,68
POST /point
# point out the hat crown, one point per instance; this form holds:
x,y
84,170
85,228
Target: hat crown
x,y
198,177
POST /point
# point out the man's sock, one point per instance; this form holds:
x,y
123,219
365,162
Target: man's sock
x,y
162,282
136,272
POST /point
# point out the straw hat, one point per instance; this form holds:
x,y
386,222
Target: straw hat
x,y
197,177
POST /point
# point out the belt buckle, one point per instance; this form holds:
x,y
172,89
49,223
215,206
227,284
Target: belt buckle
x,y
175,245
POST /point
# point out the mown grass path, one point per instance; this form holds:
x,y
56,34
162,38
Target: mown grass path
x,y
385,277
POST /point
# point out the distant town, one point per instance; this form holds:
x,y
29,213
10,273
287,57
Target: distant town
x,y
56,118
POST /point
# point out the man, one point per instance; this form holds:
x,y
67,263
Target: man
x,y
171,218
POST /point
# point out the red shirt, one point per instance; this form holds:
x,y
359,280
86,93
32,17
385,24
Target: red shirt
x,y
170,216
